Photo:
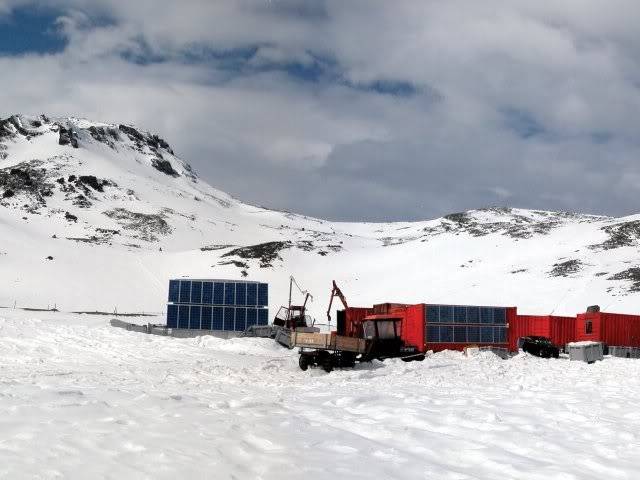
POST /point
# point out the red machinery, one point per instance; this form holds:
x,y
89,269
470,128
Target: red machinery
x,y
293,316
371,337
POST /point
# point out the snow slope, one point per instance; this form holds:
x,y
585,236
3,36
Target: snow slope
x,y
79,399
119,214
96,217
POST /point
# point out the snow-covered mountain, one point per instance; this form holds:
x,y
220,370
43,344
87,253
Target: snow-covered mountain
x,y
98,216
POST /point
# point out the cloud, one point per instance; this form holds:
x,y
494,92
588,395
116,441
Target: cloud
x,y
365,109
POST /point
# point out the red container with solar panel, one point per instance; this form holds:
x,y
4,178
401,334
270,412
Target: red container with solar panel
x,y
437,327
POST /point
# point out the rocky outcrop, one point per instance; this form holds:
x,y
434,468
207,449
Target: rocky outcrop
x,y
565,269
625,234
144,225
631,275
67,137
164,166
28,178
142,140
108,136
17,125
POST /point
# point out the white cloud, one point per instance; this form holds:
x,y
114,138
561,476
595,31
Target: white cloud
x,y
532,103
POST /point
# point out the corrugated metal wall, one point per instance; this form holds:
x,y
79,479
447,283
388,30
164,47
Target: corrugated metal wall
x,y
560,330
413,326
621,330
614,329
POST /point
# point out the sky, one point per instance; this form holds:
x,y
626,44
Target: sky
x,y
366,110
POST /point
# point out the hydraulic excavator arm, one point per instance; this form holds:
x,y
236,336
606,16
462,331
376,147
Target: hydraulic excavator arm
x,y
335,292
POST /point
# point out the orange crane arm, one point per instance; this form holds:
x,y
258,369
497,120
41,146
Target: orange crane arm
x,y
336,292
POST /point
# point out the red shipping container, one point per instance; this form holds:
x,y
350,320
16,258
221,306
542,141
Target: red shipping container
x,y
614,329
560,330
413,327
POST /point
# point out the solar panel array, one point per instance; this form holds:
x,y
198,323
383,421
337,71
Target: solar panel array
x,y
231,305
465,324
219,292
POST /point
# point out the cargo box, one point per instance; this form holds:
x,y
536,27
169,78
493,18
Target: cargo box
x,y
328,341
585,351
310,340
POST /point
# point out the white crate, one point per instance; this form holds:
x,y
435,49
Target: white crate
x,y
585,351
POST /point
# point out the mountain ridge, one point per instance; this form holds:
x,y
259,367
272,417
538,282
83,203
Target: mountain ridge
x,y
118,213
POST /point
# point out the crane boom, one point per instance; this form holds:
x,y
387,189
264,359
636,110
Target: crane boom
x,y
335,292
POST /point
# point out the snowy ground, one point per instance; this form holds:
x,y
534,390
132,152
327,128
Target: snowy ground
x,y
80,399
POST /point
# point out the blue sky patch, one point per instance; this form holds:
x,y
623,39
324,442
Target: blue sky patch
x,y
30,30
601,137
521,122
238,62
396,88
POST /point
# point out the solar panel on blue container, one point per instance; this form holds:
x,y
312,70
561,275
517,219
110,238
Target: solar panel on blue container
x,y
241,319
252,316
229,318
263,294
205,320
172,316
252,294
196,292
218,292
207,317
217,322
241,293
195,317
263,316
183,316
174,291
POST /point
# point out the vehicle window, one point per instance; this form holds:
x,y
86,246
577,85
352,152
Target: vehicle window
x,y
386,330
368,330
588,327
283,313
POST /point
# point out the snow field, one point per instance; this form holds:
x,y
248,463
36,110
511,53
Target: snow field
x,y
80,399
